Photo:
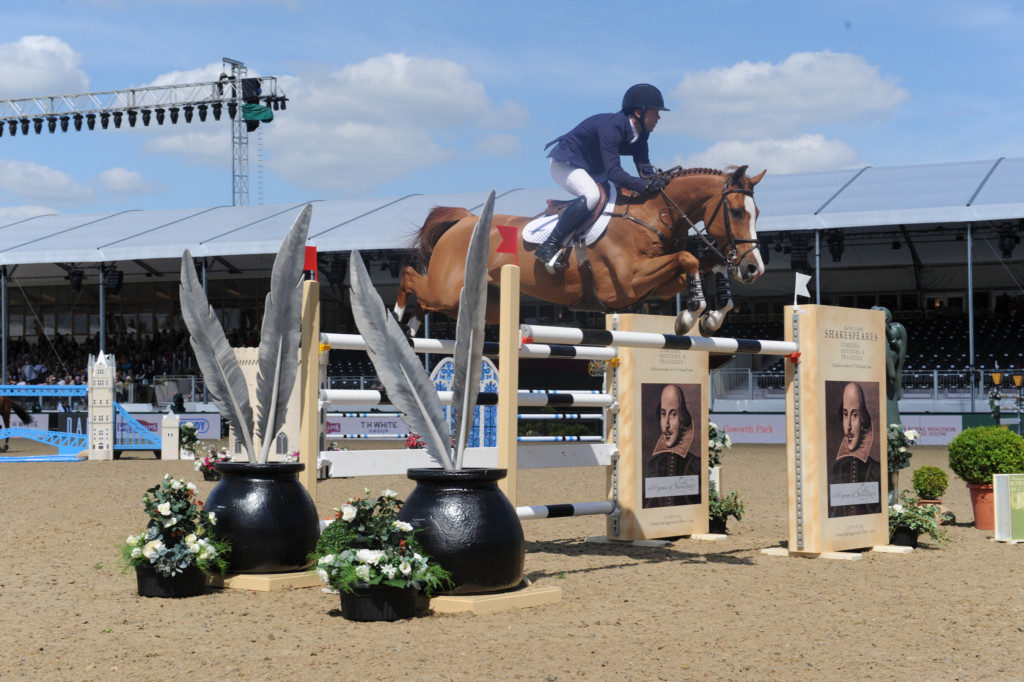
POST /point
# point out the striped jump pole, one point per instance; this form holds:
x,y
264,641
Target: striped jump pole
x,y
553,511
534,333
535,351
560,416
354,396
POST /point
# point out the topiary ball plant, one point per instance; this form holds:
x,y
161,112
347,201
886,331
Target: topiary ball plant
x,y
977,453
930,482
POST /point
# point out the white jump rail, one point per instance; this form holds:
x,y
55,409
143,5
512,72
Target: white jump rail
x,y
525,416
353,396
533,333
447,347
554,511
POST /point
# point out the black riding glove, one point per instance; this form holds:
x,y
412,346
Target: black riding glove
x,y
655,185
648,171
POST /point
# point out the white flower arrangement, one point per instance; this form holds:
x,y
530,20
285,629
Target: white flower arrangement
x,y
366,544
718,442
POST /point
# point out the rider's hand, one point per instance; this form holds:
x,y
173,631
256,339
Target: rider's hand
x,y
655,185
648,171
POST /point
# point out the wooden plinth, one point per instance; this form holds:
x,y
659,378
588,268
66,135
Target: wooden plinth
x,y
264,582
532,595
604,540
839,556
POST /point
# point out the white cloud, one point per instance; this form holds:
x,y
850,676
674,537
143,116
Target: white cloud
x,y
10,214
203,74
199,146
803,154
123,182
40,65
33,182
352,128
755,100
499,144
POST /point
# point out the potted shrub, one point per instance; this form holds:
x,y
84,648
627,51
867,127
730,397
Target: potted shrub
x,y
206,464
262,508
375,561
977,453
178,546
718,441
929,483
468,524
908,519
721,508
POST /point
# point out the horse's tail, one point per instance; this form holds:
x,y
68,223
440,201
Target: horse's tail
x,y
20,411
439,220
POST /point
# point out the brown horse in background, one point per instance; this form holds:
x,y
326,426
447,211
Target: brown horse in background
x,y
7,405
640,255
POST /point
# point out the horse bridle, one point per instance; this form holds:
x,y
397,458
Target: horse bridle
x,y
732,257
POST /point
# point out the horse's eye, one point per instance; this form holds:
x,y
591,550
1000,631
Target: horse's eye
x,y
738,212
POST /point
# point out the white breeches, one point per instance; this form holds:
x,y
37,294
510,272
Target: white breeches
x,y
576,182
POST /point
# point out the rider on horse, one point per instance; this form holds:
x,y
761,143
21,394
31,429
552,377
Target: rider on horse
x,y
592,150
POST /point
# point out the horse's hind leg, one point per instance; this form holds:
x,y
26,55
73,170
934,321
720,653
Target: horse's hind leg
x,y
406,287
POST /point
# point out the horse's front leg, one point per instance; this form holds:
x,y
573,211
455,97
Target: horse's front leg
x,y
711,321
665,276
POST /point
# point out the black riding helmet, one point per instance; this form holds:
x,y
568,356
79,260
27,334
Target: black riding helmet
x,y
643,97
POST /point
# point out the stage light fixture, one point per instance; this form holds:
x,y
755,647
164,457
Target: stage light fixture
x,y
146,113
1,130
37,125
202,112
78,121
187,110
232,109
51,124
160,116
174,114
133,116
836,246
12,127
64,121
284,103
118,115
24,126
104,120
216,111
112,280
75,277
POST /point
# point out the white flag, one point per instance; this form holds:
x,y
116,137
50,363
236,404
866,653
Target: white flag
x,y
801,287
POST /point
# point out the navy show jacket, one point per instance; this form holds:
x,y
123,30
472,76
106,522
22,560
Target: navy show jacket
x,y
596,144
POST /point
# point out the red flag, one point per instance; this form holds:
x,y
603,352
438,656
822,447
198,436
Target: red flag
x,y
509,241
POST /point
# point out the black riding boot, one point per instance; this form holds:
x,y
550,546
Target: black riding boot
x,y
574,215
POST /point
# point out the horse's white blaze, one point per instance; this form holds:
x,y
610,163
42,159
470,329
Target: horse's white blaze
x,y
748,203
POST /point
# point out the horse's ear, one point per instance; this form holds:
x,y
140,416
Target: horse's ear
x,y
757,178
738,175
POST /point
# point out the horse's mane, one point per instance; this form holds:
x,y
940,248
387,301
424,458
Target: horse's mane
x,y
680,172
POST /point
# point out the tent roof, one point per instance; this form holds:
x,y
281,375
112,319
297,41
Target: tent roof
x,y
947,193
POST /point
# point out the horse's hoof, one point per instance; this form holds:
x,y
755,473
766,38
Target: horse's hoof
x,y
684,323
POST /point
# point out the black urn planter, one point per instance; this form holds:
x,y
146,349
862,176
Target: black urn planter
x,y
188,583
904,536
717,526
210,476
379,603
266,515
468,526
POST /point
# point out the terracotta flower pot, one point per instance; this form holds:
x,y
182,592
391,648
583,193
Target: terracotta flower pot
x,y
984,506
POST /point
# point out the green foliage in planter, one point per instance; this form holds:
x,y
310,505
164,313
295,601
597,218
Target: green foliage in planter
x,y
721,508
922,519
929,482
975,454
187,436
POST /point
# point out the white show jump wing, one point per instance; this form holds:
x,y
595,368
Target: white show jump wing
x,y
224,379
279,335
469,330
400,370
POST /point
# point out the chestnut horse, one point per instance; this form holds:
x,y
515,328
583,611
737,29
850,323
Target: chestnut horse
x,y
640,255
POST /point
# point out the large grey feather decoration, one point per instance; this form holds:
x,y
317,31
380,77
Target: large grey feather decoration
x,y
408,386
469,330
221,371
279,335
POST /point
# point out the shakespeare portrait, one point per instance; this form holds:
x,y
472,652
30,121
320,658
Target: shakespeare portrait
x,y
672,455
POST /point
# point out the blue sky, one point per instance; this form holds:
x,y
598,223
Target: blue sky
x,y
404,97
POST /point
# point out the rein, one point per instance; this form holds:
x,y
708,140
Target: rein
x,y
730,258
